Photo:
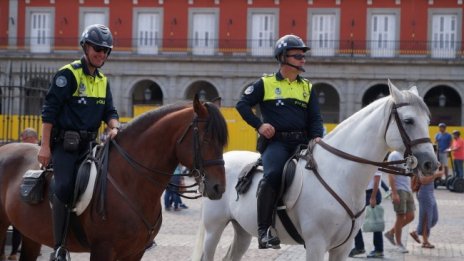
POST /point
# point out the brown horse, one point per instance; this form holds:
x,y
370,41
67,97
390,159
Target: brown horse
x,y
141,160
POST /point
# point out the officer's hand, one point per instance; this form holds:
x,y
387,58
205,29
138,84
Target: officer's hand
x,y
44,155
267,130
112,133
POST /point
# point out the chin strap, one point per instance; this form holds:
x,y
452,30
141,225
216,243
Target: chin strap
x,y
299,68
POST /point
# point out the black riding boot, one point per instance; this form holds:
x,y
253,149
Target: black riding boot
x,y
60,226
266,204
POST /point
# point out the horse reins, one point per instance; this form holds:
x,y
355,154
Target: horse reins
x,y
383,166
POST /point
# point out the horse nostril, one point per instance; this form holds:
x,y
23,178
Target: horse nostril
x,y
219,189
429,166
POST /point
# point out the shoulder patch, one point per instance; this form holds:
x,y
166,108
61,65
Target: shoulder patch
x,y
61,81
249,90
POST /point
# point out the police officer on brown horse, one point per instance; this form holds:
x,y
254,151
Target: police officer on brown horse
x,y
78,100
290,116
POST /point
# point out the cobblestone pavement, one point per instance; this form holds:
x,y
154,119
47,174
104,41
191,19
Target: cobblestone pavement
x,y
177,236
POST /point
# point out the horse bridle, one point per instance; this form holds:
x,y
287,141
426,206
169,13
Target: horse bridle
x,y
198,171
389,167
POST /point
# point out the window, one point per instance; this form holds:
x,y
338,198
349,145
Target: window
x,y
444,36
204,30
147,37
383,32
40,29
323,31
262,34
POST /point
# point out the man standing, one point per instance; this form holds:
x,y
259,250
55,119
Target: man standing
x,y
403,204
443,140
78,100
290,116
458,153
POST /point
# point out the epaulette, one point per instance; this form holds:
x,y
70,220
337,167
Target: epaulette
x,y
76,65
268,74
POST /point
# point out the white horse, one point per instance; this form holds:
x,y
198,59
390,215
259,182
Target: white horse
x,y
322,222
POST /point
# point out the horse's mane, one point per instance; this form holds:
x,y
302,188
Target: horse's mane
x,y
216,125
406,97
143,121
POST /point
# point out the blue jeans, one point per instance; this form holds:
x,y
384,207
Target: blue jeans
x,y
378,239
170,196
458,167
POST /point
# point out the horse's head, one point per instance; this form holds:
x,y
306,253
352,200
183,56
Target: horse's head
x,y
201,147
407,129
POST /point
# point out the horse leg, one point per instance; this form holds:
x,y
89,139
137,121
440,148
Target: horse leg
x,y
3,228
315,249
30,250
213,232
341,252
240,243
102,252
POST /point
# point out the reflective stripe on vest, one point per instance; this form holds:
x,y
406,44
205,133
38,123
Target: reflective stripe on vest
x,y
87,86
297,90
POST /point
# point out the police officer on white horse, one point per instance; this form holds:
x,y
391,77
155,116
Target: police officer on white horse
x,y
290,116
78,100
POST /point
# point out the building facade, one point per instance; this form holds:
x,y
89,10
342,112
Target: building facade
x,y
168,50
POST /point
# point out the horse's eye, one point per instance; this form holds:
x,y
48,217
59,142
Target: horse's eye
x,y
408,121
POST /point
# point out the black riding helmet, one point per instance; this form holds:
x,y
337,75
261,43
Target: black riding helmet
x,y
288,42
99,35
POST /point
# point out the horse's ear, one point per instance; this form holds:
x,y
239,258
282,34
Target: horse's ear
x,y
414,90
199,107
395,93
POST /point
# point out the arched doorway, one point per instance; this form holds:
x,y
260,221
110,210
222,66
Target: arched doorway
x,y
147,92
205,90
375,92
445,105
329,102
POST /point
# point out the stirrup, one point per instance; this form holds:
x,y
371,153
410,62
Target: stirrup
x,y
269,241
60,253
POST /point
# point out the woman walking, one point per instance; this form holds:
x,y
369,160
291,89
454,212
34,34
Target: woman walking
x,y
428,211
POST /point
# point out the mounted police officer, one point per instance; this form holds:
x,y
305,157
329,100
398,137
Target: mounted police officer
x,y
78,100
290,116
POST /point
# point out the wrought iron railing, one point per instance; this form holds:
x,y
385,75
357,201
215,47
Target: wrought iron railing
x,y
255,48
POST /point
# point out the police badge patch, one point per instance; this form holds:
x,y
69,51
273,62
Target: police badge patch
x,y
61,81
249,90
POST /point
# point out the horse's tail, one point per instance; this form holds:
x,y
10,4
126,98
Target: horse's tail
x,y
200,239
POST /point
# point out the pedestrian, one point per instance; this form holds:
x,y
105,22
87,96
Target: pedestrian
x,y
457,148
78,100
171,194
290,116
373,198
428,210
443,140
403,204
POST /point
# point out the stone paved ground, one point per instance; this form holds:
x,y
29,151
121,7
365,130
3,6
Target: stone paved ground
x,y
177,237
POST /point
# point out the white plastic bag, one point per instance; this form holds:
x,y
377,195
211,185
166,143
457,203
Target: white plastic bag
x,y
375,221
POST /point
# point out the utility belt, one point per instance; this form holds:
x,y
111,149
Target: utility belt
x,y
72,139
291,136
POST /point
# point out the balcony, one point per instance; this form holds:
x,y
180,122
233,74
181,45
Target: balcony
x,y
249,48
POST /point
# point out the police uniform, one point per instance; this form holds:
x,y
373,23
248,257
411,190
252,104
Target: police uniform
x,y
289,108
79,102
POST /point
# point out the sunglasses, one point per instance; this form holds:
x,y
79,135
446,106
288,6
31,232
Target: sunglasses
x,y
299,57
100,48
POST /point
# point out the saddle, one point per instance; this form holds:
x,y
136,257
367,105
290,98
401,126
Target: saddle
x,y
33,185
284,200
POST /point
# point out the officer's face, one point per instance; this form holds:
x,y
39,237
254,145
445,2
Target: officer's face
x,y
296,57
97,55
